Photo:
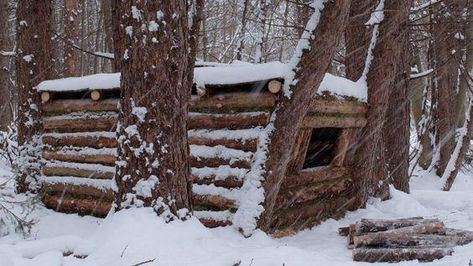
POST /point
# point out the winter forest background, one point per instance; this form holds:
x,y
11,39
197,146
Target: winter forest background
x,y
412,61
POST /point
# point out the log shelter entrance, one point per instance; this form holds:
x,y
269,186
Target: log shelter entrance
x,y
224,124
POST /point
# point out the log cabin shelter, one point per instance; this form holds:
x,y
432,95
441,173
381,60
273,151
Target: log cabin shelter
x,y
231,105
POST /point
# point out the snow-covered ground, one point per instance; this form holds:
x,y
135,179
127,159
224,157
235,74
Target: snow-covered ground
x,y
136,236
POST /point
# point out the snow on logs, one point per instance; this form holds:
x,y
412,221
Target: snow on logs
x,y
397,240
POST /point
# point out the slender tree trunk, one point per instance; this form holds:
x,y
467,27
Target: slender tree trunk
x,y
118,45
241,37
153,152
33,64
5,94
290,111
72,10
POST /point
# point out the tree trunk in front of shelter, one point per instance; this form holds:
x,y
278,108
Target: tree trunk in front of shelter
x,y
290,111
33,65
397,125
371,159
152,136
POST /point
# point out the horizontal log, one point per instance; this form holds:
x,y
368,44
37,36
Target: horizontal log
x,y
248,145
302,217
416,240
67,204
80,124
108,159
211,223
93,141
230,121
313,175
289,197
379,238
338,107
400,254
195,121
216,162
213,201
228,182
84,190
320,121
233,102
80,105
72,171
376,225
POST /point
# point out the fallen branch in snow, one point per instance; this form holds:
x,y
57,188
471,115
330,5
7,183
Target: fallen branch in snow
x,y
144,262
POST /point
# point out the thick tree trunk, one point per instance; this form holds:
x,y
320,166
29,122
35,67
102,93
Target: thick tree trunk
x,y
5,94
290,111
152,132
370,160
33,64
357,37
397,125
446,71
72,10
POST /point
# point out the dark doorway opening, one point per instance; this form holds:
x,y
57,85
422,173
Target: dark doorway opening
x,y
322,147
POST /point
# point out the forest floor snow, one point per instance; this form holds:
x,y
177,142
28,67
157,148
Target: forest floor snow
x,y
135,236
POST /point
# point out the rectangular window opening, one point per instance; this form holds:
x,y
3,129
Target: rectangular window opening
x,y
322,147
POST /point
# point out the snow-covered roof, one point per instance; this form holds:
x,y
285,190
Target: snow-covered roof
x,y
220,74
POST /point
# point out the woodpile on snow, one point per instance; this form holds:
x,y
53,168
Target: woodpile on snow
x,y
397,240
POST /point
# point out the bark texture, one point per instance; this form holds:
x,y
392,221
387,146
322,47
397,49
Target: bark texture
x,y
72,12
33,64
5,107
290,112
371,158
152,137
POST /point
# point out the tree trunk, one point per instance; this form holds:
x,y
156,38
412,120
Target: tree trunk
x,y
397,125
152,168
446,68
72,10
5,94
33,64
290,111
370,160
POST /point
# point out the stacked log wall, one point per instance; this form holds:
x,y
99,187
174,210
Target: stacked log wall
x,y
80,152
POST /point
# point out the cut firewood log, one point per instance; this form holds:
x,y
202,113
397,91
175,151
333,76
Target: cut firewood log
x,y
230,121
375,225
45,96
400,254
380,238
95,95
106,140
80,105
274,86
108,159
321,121
408,241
